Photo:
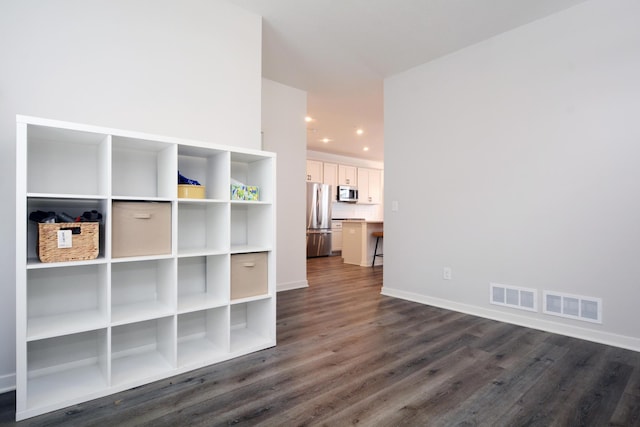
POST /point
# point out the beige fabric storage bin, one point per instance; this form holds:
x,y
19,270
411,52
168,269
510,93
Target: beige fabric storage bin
x,y
248,275
140,229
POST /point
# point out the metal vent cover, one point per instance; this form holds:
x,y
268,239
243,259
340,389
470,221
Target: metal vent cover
x,y
588,309
513,296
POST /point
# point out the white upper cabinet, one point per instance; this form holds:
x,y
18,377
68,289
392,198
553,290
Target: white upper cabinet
x,y
369,186
331,178
347,175
314,171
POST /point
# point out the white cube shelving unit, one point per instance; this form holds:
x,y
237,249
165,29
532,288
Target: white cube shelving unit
x,y
86,329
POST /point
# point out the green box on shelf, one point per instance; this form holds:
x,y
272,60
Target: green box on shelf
x,y
238,192
252,193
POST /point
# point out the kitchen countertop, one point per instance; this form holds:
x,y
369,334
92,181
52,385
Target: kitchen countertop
x,y
358,220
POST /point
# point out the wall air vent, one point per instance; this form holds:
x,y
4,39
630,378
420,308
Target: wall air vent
x,y
576,307
513,296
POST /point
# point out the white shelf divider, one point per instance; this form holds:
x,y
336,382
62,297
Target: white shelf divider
x,y
64,324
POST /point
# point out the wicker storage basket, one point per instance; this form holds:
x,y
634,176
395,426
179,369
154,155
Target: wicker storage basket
x,y
84,243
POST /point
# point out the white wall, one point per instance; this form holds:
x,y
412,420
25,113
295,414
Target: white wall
x,y
516,161
189,68
284,132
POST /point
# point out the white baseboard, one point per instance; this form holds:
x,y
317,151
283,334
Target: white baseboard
x,y
7,383
600,337
292,285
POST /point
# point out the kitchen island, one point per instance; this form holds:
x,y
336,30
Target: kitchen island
x,y
358,244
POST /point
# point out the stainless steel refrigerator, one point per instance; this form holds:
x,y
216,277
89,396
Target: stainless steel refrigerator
x,y
318,219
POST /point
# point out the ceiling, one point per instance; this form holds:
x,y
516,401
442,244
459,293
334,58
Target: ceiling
x,y
340,51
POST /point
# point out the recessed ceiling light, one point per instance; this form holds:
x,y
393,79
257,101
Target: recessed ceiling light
x,y
359,131
365,149
325,140
308,119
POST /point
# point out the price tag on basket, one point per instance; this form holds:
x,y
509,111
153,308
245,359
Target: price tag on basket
x,y
65,239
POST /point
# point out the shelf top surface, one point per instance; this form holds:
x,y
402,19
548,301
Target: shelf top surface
x,y
53,129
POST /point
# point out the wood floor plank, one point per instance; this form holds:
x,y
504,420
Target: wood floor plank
x,y
554,398
347,355
385,405
490,403
428,405
627,412
380,373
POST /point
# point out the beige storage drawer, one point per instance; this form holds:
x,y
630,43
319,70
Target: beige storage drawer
x,y
140,229
248,275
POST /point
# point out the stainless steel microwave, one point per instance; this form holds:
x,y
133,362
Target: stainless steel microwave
x,y
347,193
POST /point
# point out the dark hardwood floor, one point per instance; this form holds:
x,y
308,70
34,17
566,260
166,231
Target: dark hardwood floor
x,y
347,355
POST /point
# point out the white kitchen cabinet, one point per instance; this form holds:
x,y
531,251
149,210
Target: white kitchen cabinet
x,y
369,186
347,175
336,236
86,329
314,171
331,177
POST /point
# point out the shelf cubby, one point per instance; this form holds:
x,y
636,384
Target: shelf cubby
x,y
142,351
252,325
142,290
207,166
203,282
143,169
252,227
72,206
67,161
254,170
66,300
203,336
203,227
66,368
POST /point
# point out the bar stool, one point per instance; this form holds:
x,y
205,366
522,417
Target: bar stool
x,y
377,235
